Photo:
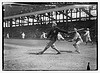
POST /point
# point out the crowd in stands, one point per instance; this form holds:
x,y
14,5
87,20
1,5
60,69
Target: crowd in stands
x,y
16,10
12,9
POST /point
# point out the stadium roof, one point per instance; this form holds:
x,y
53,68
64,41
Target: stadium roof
x,y
16,9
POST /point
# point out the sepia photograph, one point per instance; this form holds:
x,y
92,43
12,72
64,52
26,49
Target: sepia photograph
x,y
49,36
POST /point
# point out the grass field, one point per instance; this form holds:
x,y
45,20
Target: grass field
x,y
20,54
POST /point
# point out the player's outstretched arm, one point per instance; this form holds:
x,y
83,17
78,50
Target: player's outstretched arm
x,y
77,30
63,31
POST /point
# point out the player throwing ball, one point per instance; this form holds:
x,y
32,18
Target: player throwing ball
x,y
52,37
77,38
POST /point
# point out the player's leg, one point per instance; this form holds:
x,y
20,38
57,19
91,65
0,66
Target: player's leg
x,y
7,36
77,48
76,45
58,37
62,38
47,46
22,37
54,47
90,41
41,36
45,36
87,40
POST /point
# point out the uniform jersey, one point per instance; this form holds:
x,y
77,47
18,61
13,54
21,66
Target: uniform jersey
x,y
77,37
60,36
87,34
54,32
43,35
23,35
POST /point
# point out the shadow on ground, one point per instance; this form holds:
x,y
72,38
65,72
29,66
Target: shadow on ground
x,y
43,54
66,51
62,51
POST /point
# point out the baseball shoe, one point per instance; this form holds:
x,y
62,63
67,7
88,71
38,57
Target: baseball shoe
x,y
39,53
58,53
74,45
77,51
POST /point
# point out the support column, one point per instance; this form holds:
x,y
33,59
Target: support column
x,y
10,22
56,16
90,13
28,21
19,21
32,20
79,14
41,19
76,14
97,11
67,19
59,17
71,15
6,23
15,22
63,16
49,16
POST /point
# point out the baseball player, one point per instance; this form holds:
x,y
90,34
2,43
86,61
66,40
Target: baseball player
x,y
43,35
23,35
77,38
8,35
87,35
52,37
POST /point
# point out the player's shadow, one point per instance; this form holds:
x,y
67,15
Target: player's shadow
x,y
32,53
42,54
66,51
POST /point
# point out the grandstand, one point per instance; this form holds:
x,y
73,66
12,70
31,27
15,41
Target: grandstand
x,y
33,18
